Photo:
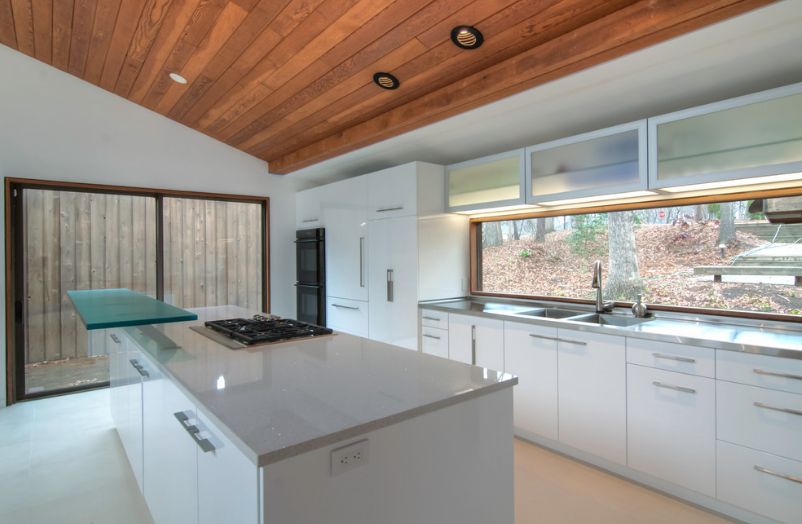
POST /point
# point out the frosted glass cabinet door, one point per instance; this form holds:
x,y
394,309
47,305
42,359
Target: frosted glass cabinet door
x,y
750,136
608,161
491,181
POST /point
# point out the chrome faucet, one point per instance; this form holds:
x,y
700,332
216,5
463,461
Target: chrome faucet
x,y
601,305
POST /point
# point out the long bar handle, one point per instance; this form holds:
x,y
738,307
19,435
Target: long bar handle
x,y
473,345
543,337
361,261
309,220
774,374
345,307
431,318
386,209
138,367
193,431
390,285
115,338
767,471
431,336
672,386
673,357
577,342
774,408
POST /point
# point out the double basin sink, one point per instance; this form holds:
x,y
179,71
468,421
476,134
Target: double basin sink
x,y
599,319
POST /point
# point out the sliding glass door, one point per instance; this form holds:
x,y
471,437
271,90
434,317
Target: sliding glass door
x,y
74,240
187,251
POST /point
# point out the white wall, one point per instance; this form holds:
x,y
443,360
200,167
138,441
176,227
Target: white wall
x,y
57,127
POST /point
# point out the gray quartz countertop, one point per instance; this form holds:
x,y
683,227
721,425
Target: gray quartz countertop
x,y
780,339
281,400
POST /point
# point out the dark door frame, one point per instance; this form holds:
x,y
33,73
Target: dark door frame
x,y
14,249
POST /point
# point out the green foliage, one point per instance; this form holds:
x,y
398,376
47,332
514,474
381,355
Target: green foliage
x,y
583,235
525,253
714,210
755,216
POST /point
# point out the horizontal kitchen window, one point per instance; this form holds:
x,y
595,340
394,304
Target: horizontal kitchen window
x,y
735,257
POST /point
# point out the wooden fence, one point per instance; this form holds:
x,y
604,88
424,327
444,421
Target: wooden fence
x,y
212,255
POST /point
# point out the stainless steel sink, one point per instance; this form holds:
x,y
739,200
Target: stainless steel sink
x,y
551,312
505,309
609,320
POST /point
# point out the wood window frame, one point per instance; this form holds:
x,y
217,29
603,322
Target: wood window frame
x,y
475,257
13,247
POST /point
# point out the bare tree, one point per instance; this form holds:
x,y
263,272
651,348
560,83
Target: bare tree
x,y
491,234
726,226
540,229
516,230
623,281
699,213
549,224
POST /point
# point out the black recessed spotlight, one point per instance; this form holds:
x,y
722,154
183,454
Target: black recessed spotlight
x,y
386,80
467,37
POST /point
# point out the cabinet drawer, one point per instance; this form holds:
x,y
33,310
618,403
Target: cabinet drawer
x,y
434,341
672,357
434,318
759,370
760,418
671,427
347,316
759,482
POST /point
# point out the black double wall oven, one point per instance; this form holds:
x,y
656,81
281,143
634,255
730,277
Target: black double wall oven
x,y
310,285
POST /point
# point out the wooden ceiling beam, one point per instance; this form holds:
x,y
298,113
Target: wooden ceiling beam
x,y
642,24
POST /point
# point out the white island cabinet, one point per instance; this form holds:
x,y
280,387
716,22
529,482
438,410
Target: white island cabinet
x,y
244,437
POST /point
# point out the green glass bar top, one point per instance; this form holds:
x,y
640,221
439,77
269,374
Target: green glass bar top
x,y
109,308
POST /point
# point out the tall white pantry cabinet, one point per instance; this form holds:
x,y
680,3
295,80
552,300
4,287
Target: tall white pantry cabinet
x,y
389,244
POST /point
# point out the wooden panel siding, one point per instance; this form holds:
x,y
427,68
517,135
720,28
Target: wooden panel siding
x,y
80,241
212,253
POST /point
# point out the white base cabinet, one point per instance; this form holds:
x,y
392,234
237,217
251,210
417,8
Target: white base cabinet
x,y
592,393
672,427
126,374
530,352
476,340
348,316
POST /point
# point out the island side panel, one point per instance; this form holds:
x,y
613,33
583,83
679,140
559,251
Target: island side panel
x,y
450,466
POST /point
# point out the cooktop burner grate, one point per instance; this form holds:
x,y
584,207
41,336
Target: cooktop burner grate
x,y
261,329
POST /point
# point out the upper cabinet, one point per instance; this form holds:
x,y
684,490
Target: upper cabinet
x,y
308,210
611,160
492,181
750,136
413,189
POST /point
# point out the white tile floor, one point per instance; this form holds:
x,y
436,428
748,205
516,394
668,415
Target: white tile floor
x,y
61,462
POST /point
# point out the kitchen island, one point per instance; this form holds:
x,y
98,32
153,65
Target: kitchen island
x,y
336,429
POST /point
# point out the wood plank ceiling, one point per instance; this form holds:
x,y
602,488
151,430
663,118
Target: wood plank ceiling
x,y
291,81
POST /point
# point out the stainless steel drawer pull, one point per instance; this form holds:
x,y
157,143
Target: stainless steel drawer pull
x,y
361,261
773,408
577,342
473,345
672,357
115,338
345,307
672,386
390,285
767,471
386,209
431,318
543,337
773,374
138,367
205,445
309,220
431,336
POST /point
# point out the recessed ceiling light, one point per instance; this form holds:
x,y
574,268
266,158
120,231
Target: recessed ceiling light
x,y
178,78
466,37
386,80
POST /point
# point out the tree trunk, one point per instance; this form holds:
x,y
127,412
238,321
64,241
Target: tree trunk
x,y
491,234
623,281
726,226
549,224
540,229
516,231
699,213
